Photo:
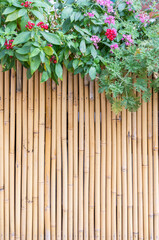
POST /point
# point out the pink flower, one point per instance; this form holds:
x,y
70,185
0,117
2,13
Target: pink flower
x,y
110,19
106,3
90,14
113,47
95,39
128,39
144,17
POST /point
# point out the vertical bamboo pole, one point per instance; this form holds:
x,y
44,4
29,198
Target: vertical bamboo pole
x,y
108,172
145,168
12,153
75,123
155,154
103,164
81,152
129,164
86,165
30,160
47,160
124,176
97,164
53,163
18,147
1,155
92,158
70,152
139,167
119,216
114,182
150,170
36,151
64,151
134,152
41,160
59,93
24,155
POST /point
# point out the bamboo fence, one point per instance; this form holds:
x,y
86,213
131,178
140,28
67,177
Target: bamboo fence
x,y
72,169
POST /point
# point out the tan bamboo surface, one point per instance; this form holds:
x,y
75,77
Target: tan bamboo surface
x,y
72,169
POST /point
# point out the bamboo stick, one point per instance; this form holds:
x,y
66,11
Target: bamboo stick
x,y
114,182
12,153
53,163
81,152
75,123
150,169
155,154
119,214
1,155
124,176
97,164
18,147
41,159
92,160
24,155
108,173
86,165
145,168
64,152
47,160
36,152
30,160
59,93
139,167
103,164
129,165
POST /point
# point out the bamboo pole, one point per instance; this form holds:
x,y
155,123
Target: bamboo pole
x,y
139,173
12,153
155,154
97,164
150,169
119,213
1,155
64,152
108,173
86,165
124,176
41,159
30,160
70,154
92,160
145,168
18,147
103,164
81,153
24,155
59,93
114,182
75,123
47,160
53,162
129,165
36,158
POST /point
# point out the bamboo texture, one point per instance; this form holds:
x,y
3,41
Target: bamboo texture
x,y
70,168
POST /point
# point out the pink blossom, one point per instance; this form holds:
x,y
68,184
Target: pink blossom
x,y
129,2
106,3
128,39
90,14
144,17
113,47
95,39
110,19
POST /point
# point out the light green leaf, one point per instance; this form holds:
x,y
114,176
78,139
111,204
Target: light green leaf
x,y
83,46
121,7
13,16
35,63
59,70
22,12
51,38
9,10
93,52
92,73
23,50
67,12
22,38
42,56
44,77
48,50
38,14
35,52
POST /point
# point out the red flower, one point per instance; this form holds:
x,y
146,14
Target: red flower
x,y
26,4
9,44
111,34
50,45
52,59
30,25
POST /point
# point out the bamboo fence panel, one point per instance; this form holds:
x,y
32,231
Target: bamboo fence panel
x,y
72,169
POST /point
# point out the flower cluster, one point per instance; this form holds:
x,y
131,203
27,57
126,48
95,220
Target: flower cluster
x,y
113,47
95,39
30,25
109,19
90,14
26,4
106,3
144,17
53,59
9,44
111,34
42,25
128,39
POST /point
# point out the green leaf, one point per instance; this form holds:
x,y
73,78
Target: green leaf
x,y
13,16
44,77
51,38
93,52
75,63
35,52
23,50
67,12
9,10
22,12
121,7
42,56
12,26
35,63
48,50
38,14
59,70
92,73
22,38
83,46
21,57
